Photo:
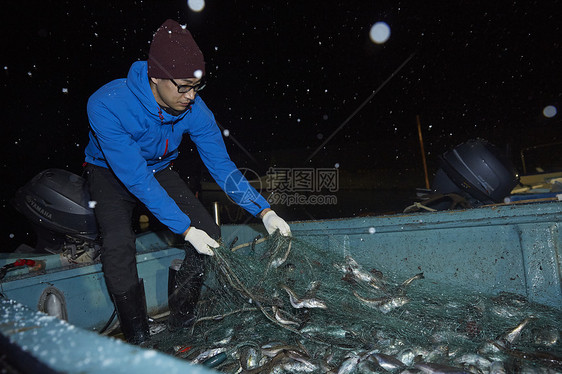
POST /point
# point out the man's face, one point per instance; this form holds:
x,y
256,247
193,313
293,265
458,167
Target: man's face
x,y
167,95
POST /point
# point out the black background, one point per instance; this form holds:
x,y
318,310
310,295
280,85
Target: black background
x,y
283,76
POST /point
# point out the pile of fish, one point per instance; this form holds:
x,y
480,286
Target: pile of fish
x,y
354,320
383,355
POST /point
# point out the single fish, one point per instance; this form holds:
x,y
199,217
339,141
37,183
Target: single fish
x,y
387,362
371,302
407,282
282,320
303,359
393,303
431,368
385,304
229,334
333,331
207,354
357,270
292,366
513,334
274,348
474,359
349,364
281,260
249,358
362,275
303,303
268,366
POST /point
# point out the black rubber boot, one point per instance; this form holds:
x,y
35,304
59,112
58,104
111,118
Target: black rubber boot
x,y
131,310
184,289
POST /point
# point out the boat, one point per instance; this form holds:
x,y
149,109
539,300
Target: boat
x,y
51,312
55,308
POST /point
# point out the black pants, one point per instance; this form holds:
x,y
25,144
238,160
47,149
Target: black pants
x,y
114,212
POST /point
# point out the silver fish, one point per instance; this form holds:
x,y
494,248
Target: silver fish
x,y
303,303
393,303
303,358
298,367
431,368
282,320
208,353
407,282
274,348
406,356
349,364
474,359
290,365
332,331
281,260
371,302
358,272
249,358
385,304
513,334
387,362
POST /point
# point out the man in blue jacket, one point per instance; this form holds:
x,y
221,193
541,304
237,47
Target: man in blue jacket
x,y
137,125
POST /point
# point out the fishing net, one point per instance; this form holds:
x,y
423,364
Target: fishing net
x,y
282,305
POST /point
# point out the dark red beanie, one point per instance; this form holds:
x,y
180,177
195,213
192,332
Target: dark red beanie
x,y
174,54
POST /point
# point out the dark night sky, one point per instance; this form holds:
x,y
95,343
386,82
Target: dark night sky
x,y
285,75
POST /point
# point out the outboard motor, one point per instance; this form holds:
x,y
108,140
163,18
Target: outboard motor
x,y
57,203
477,171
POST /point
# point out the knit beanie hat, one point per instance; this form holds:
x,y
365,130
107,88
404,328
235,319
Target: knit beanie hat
x,y
174,54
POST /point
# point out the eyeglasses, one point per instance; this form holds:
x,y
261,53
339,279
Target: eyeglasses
x,y
185,88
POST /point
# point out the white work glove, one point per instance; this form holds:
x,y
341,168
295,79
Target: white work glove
x,y
272,222
201,241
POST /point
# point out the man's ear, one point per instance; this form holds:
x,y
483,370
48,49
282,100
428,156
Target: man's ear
x,y
154,80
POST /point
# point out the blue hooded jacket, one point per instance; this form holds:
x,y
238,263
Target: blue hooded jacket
x,y
132,135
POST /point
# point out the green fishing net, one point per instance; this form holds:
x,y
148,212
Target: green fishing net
x,y
282,305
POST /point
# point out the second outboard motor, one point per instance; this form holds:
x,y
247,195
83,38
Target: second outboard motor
x,y
57,203
477,171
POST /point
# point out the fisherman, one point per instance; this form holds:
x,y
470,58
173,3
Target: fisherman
x,y
136,127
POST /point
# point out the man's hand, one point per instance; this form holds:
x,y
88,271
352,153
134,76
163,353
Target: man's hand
x,y
272,222
201,241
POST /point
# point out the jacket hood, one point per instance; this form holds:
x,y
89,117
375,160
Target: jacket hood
x,y
137,81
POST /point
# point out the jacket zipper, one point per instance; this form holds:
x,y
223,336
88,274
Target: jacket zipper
x,y
166,149
162,123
